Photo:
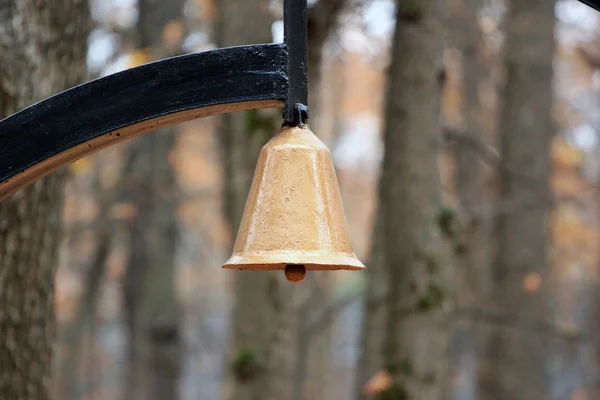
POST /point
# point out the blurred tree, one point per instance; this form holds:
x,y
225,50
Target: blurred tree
x,y
512,365
470,176
73,368
150,186
311,372
471,228
262,357
374,312
322,19
38,43
242,136
408,250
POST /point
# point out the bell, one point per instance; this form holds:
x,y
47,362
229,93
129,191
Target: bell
x,y
294,217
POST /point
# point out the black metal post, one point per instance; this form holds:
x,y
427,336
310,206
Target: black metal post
x,y
296,38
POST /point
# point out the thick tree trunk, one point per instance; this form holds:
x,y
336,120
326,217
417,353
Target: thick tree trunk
x,y
471,242
513,365
151,306
38,43
311,374
415,343
262,353
470,176
75,370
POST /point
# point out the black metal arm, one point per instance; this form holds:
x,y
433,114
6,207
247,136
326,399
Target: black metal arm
x,y
80,121
100,113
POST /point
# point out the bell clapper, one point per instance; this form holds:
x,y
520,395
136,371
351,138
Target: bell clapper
x,y
295,272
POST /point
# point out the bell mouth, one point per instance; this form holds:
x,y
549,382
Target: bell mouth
x,y
278,260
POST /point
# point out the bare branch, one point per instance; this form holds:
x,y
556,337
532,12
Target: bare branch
x,y
329,314
520,323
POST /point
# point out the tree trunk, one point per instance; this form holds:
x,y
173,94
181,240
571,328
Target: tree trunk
x,y
513,366
38,43
418,272
313,355
321,21
151,306
75,368
470,177
374,311
262,353
471,240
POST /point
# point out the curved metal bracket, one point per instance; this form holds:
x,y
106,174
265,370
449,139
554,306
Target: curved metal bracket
x,y
70,125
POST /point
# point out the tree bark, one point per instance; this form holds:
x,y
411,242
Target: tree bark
x,y
261,359
75,369
322,19
513,363
374,311
151,306
471,236
311,374
418,271
38,43
470,177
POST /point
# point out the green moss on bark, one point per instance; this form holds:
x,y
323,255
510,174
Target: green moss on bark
x,y
445,221
245,366
395,392
432,298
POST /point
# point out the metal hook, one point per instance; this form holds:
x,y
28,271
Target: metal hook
x,y
301,114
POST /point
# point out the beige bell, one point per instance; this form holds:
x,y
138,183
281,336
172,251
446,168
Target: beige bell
x,y
294,217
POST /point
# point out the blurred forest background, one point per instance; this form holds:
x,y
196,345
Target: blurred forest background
x,y
465,137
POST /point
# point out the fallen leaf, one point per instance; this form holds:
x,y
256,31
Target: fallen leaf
x,y
381,381
532,282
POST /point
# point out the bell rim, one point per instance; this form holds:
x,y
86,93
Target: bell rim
x,y
264,261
